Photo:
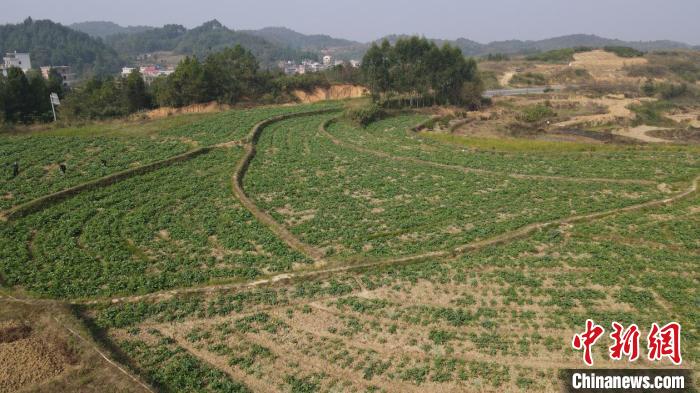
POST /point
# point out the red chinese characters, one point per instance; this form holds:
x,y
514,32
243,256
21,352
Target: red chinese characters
x,y
662,342
665,342
625,342
587,339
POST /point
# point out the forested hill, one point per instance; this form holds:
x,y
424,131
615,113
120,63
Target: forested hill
x,y
211,37
50,43
102,29
473,48
290,38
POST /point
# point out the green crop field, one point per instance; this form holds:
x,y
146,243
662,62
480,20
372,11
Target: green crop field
x,y
319,256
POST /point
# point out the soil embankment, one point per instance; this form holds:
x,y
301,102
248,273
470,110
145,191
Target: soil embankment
x,y
334,92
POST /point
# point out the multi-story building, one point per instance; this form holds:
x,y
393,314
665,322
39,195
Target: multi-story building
x,y
15,59
63,71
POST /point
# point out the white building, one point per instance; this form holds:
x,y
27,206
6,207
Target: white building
x,y
126,71
327,60
19,60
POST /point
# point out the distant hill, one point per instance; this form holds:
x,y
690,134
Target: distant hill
x,y
514,47
201,41
290,38
51,43
102,29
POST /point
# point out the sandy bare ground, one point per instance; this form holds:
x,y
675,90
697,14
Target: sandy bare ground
x,y
640,133
618,109
335,92
605,66
691,118
505,79
160,113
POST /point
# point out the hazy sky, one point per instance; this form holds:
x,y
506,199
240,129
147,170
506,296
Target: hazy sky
x,y
482,20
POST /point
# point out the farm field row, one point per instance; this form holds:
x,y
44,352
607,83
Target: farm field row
x,y
176,226
354,204
494,320
89,155
660,164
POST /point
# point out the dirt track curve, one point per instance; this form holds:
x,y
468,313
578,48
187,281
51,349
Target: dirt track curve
x,y
237,180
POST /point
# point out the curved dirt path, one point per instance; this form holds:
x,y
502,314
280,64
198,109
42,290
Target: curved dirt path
x,y
465,169
237,182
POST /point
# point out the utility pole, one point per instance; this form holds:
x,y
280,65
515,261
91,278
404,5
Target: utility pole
x,y
54,101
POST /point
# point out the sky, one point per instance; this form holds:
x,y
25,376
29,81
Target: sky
x,y
365,20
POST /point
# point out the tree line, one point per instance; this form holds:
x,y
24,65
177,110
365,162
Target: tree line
x,y
231,76
24,98
415,70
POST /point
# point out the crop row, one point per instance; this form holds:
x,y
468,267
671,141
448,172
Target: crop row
x,y
350,203
91,156
393,136
177,226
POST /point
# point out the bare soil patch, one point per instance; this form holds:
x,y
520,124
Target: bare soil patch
x,y
335,92
641,133
29,357
605,66
159,113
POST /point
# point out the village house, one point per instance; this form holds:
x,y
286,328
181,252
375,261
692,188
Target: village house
x,y
63,71
15,59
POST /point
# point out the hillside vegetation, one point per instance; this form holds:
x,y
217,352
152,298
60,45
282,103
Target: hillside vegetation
x,y
209,38
50,43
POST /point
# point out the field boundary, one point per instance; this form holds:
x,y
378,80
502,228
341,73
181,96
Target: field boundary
x,y
237,183
465,169
42,202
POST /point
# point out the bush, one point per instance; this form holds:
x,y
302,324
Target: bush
x,y
365,115
497,57
529,79
651,113
623,51
536,113
669,91
558,55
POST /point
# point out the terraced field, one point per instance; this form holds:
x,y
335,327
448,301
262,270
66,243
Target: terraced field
x,y
311,255
89,155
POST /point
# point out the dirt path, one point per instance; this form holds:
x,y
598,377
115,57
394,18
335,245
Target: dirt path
x,y
464,169
504,81
618,109
640,133
237,182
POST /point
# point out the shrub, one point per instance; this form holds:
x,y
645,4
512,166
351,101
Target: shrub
x,y
623,51
536,113
365,115
529,79
558,55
